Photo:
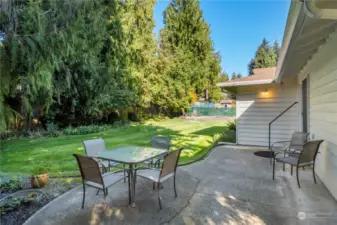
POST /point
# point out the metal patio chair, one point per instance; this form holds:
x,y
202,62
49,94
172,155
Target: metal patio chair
x,y
92,176
294,146
162,143
93,148
167,171
306,157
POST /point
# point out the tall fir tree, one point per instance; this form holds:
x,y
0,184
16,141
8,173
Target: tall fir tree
x,y
276,48
234,76
186,34
138,24
239,75
265,56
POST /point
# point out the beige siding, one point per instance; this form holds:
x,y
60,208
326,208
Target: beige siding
x,y
323,110
255,110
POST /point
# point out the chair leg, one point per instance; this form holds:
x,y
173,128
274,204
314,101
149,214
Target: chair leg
x,y
284,165
174,185
124,172
298,181
105,201
158,187
273,168
129,186
134,186
83,200
97,192
291,170
313,172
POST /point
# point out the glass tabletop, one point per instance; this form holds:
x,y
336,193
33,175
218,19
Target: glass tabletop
x,y
131,154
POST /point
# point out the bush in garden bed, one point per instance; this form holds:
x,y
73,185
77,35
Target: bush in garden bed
x,y
52,131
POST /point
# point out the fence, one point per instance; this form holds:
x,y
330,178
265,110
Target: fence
x,y
205,111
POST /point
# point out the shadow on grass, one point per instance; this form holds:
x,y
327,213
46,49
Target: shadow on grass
x,y
211,131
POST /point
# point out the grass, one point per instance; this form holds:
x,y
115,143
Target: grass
x,y
18,157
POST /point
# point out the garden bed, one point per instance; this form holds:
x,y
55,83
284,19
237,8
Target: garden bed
x,y
16,206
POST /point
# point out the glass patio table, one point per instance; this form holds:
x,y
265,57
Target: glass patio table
x,y
131,155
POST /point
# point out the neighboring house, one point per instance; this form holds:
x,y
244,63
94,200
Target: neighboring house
x,y
225,104
307,74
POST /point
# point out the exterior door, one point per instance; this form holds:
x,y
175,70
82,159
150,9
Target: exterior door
x,y
305,105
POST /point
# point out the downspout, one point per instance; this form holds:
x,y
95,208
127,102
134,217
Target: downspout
x,y
314,12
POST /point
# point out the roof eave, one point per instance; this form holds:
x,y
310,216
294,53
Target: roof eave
x,y
299,14
294,26
246,83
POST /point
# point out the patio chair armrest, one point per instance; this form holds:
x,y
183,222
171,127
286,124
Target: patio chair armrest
x,y
98,161
281,142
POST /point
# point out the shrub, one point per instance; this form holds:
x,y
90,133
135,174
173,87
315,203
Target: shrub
x,y
11,185
52,130
121,123
34,135
85,129
231,125
70,131
7,135
39,169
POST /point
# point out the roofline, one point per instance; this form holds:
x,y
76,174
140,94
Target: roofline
x,y
296,17
299,12
245,83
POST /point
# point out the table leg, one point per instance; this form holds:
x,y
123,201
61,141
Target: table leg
x,y
132,181
134,188
129,185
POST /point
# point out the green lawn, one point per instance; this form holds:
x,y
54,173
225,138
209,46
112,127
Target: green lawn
x,y
19,156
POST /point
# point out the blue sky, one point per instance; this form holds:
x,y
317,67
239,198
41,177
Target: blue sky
x,y
238,27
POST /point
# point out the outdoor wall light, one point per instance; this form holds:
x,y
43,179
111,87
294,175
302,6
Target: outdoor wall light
x,y
265,92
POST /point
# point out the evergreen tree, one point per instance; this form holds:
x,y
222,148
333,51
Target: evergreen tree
x,y
276,48
251,67
223,77
73,62
239,75
138,23
186,35
265,57
233,76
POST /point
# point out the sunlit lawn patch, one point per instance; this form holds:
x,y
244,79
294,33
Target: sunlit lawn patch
x,y
19,156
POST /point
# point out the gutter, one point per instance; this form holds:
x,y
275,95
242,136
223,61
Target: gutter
x,y
245,83
291,36
318,13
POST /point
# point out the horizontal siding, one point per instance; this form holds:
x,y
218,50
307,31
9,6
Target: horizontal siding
x,y
323,111
255,110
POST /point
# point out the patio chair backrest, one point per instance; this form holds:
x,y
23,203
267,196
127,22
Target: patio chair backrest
x,y
170,162
298,139
161,142
93,147
309,152
89,169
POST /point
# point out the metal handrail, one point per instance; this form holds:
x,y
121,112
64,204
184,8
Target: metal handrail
x,y
279,117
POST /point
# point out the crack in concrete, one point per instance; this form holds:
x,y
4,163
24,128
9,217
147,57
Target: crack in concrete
x,y
182,208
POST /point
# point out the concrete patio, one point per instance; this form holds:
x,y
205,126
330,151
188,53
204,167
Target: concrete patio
x,y
231,186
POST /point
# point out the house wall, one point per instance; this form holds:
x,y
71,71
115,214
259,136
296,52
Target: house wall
x,y
255,109
322,74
